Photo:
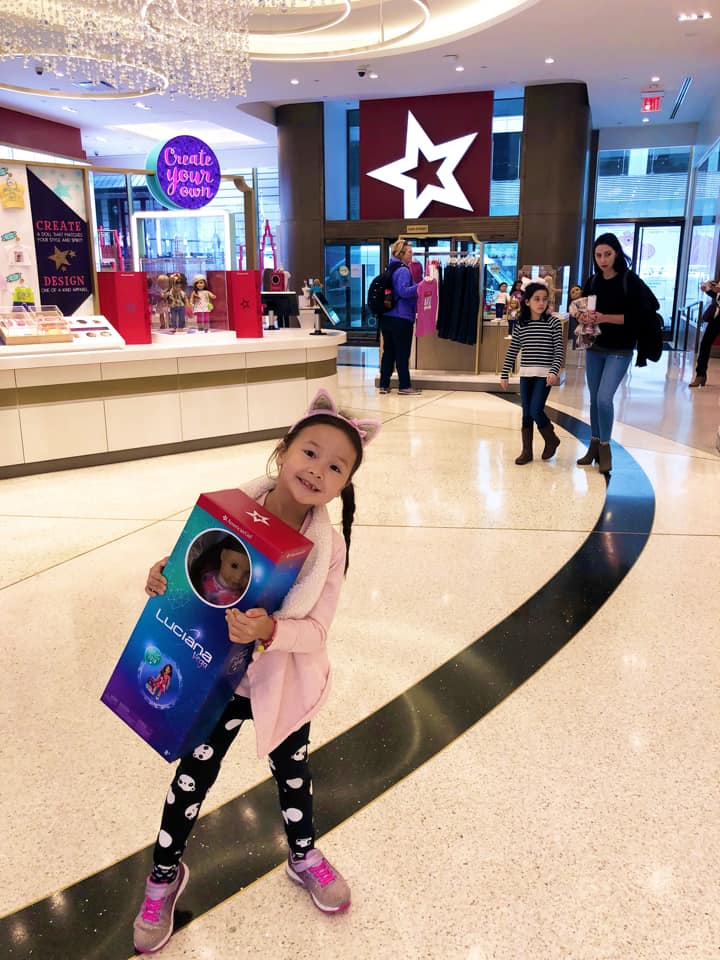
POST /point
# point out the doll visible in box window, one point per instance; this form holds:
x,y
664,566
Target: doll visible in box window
x,y
221,572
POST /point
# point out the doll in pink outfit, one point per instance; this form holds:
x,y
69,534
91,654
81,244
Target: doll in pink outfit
x,y
227,582
288,679
159,685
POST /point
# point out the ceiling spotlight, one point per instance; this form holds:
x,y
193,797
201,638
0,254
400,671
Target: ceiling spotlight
x,y
646,119
373,75
142,106
682,17
294,81
459,68
69,109
654,79
549,59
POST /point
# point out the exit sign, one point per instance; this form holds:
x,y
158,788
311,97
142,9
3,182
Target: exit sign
x,y
651,104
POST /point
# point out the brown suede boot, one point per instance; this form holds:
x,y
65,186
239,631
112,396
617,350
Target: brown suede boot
x,y
604,458
552,441
591,455
527,454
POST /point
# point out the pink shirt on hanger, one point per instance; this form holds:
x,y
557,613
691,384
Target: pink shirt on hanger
x,y
427,308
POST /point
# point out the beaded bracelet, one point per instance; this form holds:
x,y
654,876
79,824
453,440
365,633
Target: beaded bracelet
x,y
263,645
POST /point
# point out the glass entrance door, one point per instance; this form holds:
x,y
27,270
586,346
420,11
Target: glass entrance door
x,y
349,270
656,261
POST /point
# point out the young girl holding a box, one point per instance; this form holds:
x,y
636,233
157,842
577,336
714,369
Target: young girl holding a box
x,y
289,677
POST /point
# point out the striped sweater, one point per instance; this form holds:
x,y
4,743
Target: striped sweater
x,y
541,344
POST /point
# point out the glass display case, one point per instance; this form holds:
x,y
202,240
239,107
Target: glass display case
x,y
19,327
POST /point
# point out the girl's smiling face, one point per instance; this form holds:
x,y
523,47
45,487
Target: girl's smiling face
x,y
317,464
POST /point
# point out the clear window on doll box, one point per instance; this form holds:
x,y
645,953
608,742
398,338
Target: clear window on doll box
x,y
218,567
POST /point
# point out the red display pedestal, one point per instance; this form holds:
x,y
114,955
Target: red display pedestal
x,y
125,302
216,281
244,303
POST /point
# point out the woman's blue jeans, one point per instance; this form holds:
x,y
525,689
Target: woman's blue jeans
x,y
604,372
533,396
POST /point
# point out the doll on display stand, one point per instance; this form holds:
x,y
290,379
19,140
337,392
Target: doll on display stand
x,y
514,302
176,301
201,301
163,285
501,301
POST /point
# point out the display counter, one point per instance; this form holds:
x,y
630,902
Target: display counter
x,y
67,409
445,365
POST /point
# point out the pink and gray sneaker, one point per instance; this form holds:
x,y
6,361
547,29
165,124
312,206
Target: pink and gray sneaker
x,y
329,891
154,924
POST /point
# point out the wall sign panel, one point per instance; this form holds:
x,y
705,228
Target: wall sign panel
x,y
426,156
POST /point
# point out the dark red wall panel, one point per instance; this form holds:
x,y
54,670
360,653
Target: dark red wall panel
x,y
36,133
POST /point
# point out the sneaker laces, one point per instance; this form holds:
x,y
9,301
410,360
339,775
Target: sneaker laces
x,y
151,909
323,873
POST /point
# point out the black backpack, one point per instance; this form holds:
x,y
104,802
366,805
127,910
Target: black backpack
x,y
380,296
650,324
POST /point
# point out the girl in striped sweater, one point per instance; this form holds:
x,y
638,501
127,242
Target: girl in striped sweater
x,y
538,334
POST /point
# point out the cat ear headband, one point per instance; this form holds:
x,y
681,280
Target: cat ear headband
x,y
322,402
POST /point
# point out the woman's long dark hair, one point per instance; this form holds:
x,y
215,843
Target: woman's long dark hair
x,y
622,262
348,492
530,289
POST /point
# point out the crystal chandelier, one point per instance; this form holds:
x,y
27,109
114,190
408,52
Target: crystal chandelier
x,y
195,48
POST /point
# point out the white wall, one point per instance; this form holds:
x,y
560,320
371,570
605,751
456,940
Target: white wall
x,y
648,135
708,128
231,160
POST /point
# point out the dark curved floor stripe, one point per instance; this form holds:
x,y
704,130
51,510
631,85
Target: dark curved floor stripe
x,y
92,919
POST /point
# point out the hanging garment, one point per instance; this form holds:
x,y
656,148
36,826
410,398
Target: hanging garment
x,y
416,271
427,307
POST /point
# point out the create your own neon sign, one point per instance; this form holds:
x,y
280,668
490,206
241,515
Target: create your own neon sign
x,y
185,173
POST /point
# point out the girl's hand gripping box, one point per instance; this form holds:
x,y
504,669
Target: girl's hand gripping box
x,y
179,667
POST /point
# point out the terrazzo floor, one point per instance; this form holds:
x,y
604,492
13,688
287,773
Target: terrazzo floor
x,y
577,820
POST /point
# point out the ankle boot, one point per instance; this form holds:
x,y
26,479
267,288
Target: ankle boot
x,y
552,441
591,455
699,381
527,453
604,458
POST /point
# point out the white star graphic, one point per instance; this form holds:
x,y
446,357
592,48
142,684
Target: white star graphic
x,y
416,142
258,517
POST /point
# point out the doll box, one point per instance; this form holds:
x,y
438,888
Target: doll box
x,y
179,667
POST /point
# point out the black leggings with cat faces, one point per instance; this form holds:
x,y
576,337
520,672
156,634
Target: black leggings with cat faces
x,y
197,771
